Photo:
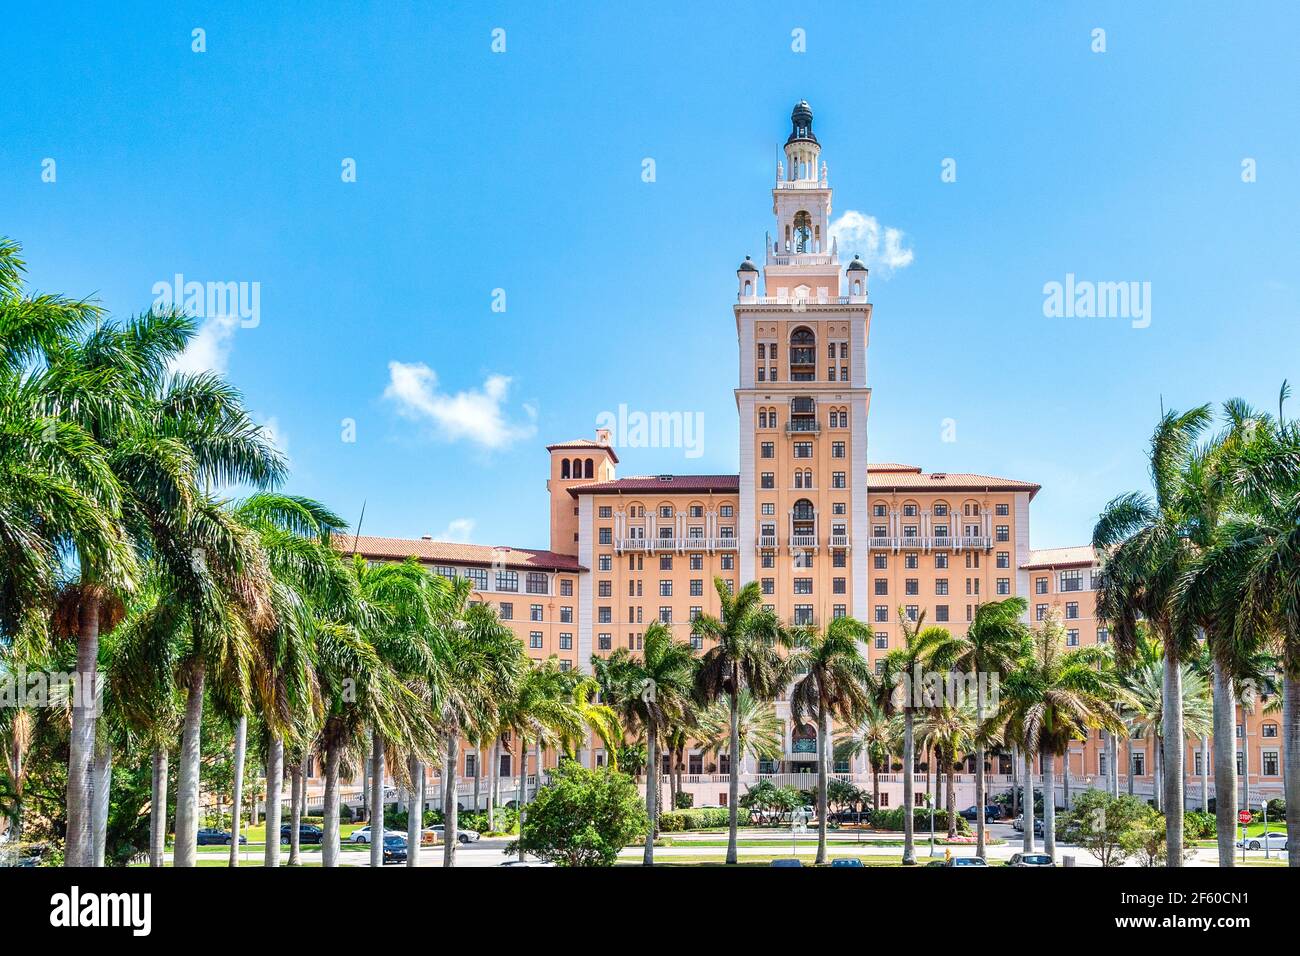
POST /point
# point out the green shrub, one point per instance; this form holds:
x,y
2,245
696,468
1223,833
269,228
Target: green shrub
x,y
583,817
695,818
1199,826
892,819
685,800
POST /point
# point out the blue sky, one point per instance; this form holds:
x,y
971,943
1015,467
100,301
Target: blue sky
x,y
522,171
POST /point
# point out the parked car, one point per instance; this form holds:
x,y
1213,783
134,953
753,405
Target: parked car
x,y
362,835
846,861
526,863
462,836
966,861
991,812
394,848
1275,839
1019,824
1030,859
786,862
213,836
307,833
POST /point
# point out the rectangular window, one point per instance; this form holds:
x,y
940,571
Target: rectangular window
x,y
566,586
566,615
1072,580
1004,559
605,511
839,586
479,576
803,449
882,586
767,480
769,585
941,586
838,480
882,613
1270,763
507,580
837,449
534,612
803,586
941,561
666,615
1040,612
1071,610
912,586
1001,511
666,588
566,641
880,561
606,536
1003,533
507,611
535,640
767,450
604,641
1004,586
941,613
604,615
1040,585
604,563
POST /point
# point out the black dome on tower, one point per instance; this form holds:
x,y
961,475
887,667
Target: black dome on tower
x,y
801,124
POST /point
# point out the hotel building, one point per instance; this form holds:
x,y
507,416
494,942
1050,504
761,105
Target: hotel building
x,y
823,529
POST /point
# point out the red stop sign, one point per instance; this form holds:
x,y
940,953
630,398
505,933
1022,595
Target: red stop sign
x,y
1243,816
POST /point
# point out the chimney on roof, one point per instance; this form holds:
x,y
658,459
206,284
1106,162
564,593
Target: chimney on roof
x,y
426,537
603,435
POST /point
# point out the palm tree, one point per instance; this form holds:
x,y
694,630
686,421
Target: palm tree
x,y
835,682
899,686
1054,696
949,730
539,711
482,662
1252,586
875,735
995,640
758,729
1148,544
648,692
743,655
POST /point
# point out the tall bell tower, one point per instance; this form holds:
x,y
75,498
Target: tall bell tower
x,y
803,401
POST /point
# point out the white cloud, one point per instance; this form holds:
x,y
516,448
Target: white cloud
x,y
881,247
458,530
477,415
209,350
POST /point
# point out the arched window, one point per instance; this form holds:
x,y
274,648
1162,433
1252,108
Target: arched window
x,y
857,287
587,469
564,468
802,231
749,287
804,510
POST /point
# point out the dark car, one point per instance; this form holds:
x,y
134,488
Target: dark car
x,y
991,812
394,849
785,862
307,833
965,861
212,836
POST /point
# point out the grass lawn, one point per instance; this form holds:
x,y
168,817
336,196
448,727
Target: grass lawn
x,y
759,860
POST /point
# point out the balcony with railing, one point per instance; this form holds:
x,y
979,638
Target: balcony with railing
x,y
695,543
803,426
930,543
766,541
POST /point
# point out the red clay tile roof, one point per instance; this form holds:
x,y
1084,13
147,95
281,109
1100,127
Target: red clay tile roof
x,y
667,484
944,481
891,466
1081,556
399,549
584,443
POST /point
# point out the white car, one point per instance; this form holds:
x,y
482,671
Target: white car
x,y
1276,840
462,835
362,835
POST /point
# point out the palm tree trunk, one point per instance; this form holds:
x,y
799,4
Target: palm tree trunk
x,y
909,787
158,808
415,812
297,796
376,798
1173,763
78,849
979,771
1015,782
185,848
537,764
1225,763
1128,744
495,793
521,798
1065,777
274,793
951,798
1028,841
478,774
102,783
330,823
733,778
1049,803
1157,784
651,792
237,799
823,731
1291,765
450,803
1112,764
1205,774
